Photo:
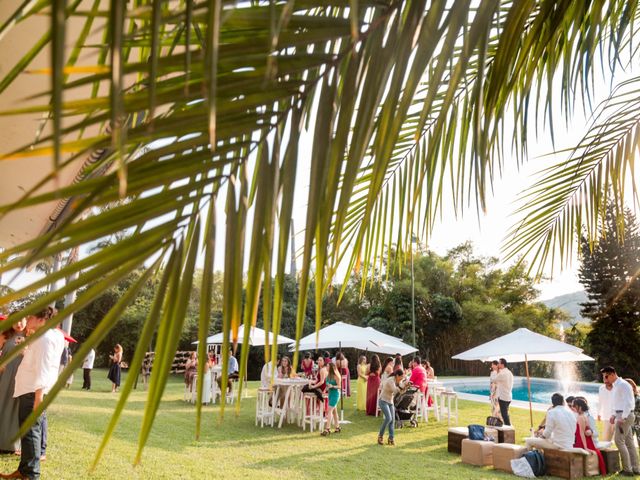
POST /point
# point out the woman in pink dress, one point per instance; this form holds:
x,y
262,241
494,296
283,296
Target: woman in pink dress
x,y
373,384
584,434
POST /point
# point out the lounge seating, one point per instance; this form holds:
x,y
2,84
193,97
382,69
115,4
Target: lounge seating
x,y
565,463
477,452
503,453
506,434
611,459
455,437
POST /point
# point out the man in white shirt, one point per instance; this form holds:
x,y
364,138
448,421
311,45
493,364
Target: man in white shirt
x,y
560,427
504,384
622,417
87,366
605,397
36,374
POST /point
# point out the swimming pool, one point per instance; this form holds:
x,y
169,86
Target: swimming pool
x,y
541,389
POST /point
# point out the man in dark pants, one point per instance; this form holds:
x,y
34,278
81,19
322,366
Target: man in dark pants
x,y
87,366
504,383
36,375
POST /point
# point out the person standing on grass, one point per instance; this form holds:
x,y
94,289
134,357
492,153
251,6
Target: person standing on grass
x,y
9,406
605,397
623,418
392,385
36,375
115,369
334,382
87,366
504,386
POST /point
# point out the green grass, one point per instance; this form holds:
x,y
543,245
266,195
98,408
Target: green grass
x,y
237,449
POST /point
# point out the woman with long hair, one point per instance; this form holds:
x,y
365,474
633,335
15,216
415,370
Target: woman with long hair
x,y
387,368
190,370
343,367
333,387
361,400
392,385
373,384
9,425
584,433
493,390
318,386
307,365
115,368
284,369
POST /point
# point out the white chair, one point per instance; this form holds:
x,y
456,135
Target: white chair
x,y
264,412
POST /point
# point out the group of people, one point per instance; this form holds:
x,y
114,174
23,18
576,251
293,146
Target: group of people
x,y
570,424
24,382
377,384
27,378
501,390
375,372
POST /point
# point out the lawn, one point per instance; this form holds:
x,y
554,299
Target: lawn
x,y
235,448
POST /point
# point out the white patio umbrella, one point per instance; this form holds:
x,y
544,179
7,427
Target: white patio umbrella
x,y
257,337
344,335
523,345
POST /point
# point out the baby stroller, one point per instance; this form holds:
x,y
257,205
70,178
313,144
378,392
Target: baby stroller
x,y
405,405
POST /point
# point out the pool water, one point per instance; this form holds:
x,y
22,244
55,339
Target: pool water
x,y
541,391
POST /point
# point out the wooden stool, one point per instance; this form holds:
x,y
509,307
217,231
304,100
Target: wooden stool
x,y
312,412
264,413
477,452
455,437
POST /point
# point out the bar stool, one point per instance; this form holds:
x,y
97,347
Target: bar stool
x,y
421,407
264,413
448,397
312,412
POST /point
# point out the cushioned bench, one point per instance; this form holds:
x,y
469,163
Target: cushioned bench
x,y
455,437
503,453
564,463
506,434
477,452
611,459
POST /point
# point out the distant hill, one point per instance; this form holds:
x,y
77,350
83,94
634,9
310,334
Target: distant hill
x,y
570,303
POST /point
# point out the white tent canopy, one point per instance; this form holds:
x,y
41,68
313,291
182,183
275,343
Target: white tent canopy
x,y
344,335
257,337
522,345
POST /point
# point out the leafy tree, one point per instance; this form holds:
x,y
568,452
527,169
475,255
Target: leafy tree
x,y
609,272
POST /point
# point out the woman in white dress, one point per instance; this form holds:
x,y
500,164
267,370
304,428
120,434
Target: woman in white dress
x,y
493,390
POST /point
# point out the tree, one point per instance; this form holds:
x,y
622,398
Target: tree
x,y
609,272
405,97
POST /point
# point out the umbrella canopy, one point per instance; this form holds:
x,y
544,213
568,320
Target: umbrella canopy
x,y
344,335
517,345
523,345
257,337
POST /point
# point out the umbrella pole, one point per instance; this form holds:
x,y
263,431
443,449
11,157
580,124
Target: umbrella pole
x,y
526,369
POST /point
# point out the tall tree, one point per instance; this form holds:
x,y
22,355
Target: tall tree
x,y
610,273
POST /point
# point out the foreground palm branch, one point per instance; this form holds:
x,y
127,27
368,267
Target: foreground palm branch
x,y
405,102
